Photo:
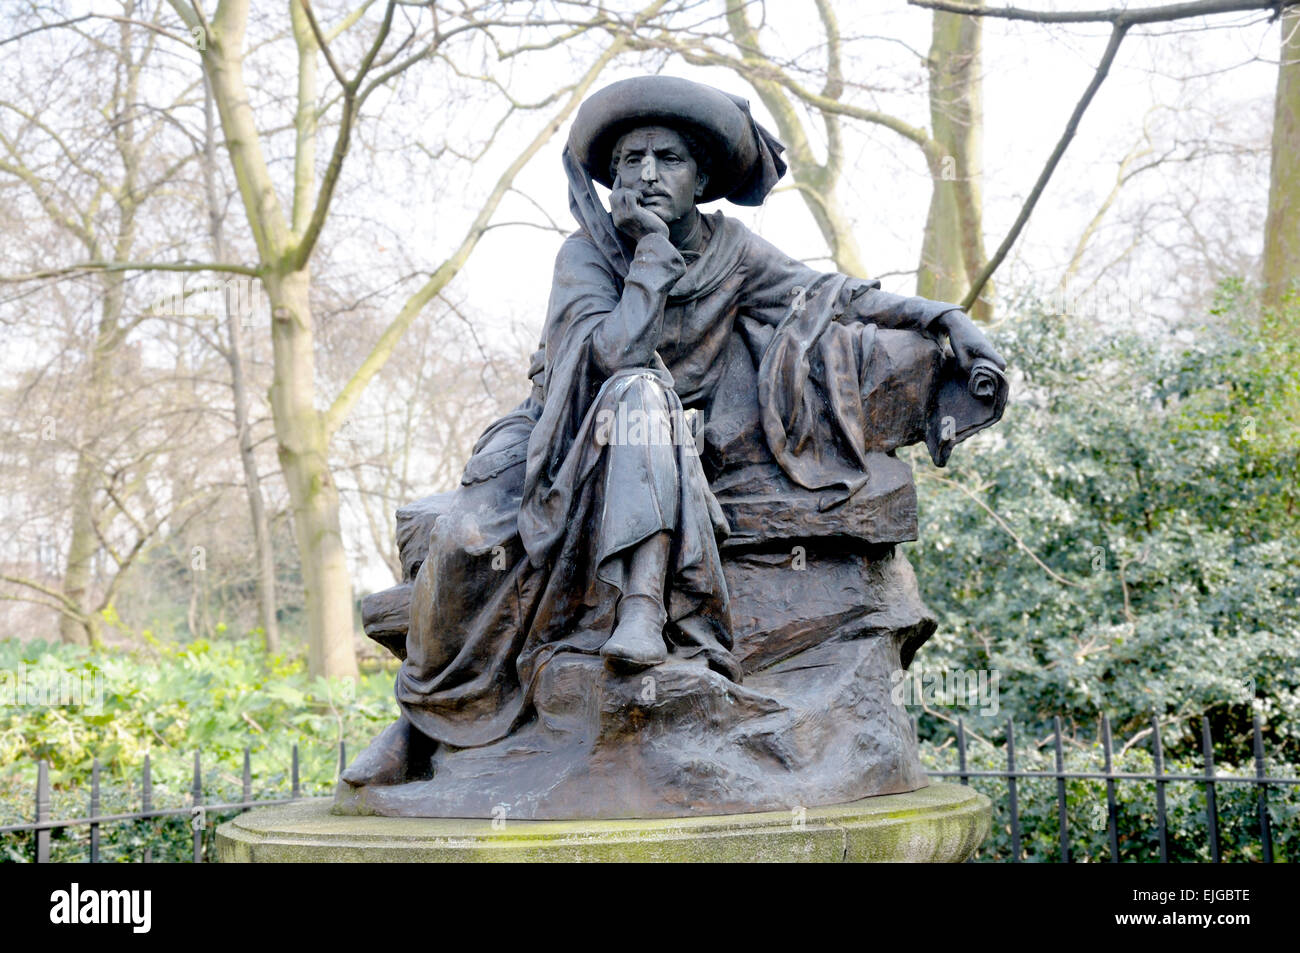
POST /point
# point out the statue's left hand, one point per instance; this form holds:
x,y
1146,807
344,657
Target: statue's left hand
x,y
968,342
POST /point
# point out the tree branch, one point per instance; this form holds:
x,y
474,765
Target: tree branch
x,y
351,106
1112,48
1002,523
1114,15
1121,20
104,267
66,605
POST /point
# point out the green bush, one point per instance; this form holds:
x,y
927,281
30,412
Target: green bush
x,y
1145,552
168,701
1127,542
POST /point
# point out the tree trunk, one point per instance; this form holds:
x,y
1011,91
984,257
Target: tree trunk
x,y
823,201
284,249
303,446
816,181
266,601
1282,227
302,438
78,576
952,255
81,553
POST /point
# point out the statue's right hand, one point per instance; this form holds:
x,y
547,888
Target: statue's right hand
x,y
631,217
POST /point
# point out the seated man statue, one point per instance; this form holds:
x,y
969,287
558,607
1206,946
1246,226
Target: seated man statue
x,y
703,406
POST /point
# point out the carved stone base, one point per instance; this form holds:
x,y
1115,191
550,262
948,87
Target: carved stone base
x,y
939,823
680,740
822,633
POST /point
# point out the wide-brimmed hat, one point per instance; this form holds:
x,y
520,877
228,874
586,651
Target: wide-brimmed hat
x,y
744,161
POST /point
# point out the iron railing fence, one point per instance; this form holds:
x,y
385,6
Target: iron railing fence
x,y
1209,779
42,826
197,811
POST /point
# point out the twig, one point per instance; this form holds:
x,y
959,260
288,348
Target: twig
x,y
1007,529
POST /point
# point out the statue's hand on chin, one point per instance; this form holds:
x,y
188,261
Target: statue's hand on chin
x,y
630,217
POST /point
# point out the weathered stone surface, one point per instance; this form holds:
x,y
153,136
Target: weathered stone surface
x,y
821,633
784,601
760,507
939,823
818,728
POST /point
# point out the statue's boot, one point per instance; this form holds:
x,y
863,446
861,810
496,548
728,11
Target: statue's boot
x,y
638,638
399,754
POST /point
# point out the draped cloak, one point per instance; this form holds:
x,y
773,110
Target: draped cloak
x,y
530,555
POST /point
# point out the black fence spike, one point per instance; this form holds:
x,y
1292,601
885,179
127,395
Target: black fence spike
x,y
1062,812
42,812
94,811
961,751
1012,804
1211,804
1112,805
146,802
1265,826
197,820
1162,824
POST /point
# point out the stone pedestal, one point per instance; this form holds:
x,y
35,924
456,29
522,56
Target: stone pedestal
x,y
939,823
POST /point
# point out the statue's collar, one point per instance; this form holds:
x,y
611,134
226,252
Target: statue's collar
x,y
696,239
719,256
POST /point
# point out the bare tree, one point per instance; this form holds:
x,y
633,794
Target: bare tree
x,y
1282,229
232,349
93,187
1121,21
286,234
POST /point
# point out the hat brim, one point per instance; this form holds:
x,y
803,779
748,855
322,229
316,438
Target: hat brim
x,y
709,115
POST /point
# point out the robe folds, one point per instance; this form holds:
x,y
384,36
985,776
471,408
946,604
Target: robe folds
x,y
530,556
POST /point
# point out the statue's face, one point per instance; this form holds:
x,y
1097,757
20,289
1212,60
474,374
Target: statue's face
x,y
655,162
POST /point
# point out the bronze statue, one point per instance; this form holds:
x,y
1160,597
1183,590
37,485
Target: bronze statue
x,y
669,582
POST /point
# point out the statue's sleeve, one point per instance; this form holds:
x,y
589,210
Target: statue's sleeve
x,y
631,322
775,281
887,310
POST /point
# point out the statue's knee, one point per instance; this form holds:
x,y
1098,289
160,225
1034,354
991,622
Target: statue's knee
x,y
639,410
645,392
